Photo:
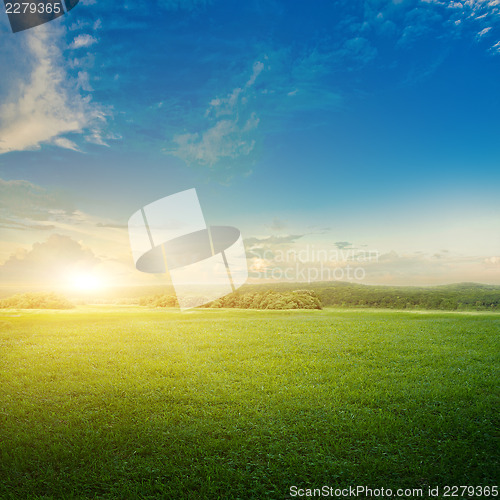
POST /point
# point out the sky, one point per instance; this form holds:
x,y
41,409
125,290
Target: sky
x,y
348,140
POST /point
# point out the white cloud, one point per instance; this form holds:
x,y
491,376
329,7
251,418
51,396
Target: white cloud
x,y
257,70
84,81
477,12
465,17
226,139
84,40
228,105
484,31
21,200
492,261
27,206
424,269
48,262
44,104
29,212
230,131
58,259
65,143
292,258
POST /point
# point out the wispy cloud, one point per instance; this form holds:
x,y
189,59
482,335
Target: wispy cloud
x,y
430,269
25,206
473,13
43,104
269,241
483,32
413,21
23,200
229,132
291,259
495,49
84,40
343,244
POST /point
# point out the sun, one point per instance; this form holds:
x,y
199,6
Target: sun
x,y
86,282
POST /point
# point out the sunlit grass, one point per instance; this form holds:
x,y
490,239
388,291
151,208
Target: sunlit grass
x,y
133,403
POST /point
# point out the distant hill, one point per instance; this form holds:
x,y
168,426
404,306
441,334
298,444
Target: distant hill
x,y
457,296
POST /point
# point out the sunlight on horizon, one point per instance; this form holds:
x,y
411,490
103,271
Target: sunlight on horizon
x,y
86,282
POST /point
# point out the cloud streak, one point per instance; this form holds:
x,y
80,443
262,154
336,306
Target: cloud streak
x,y
84,40
43,106
28,210
229,132
22,200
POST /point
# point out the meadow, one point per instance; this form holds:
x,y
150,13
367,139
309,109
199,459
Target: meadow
x,y
129,402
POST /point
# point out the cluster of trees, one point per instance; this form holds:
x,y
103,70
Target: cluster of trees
x,y
36,300
269,299
159,300
462,296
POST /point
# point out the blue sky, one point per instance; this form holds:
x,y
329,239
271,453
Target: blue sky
x,y
373,123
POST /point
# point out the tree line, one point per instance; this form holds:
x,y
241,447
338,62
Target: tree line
x,y
462,296
457,297
269,299
36,300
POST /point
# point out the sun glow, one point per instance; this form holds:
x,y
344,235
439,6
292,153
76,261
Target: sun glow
x,y
86,282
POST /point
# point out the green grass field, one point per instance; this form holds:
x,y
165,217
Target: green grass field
x,y
134,403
